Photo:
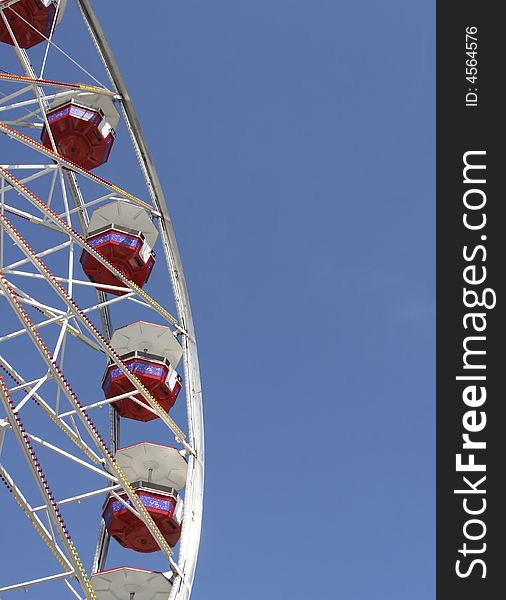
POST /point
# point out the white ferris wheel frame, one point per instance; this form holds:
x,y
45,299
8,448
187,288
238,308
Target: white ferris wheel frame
x,y
74,318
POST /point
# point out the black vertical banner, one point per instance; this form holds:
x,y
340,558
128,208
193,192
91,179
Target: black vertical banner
x,y
471,301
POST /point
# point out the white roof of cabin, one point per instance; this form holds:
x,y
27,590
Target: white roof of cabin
x,y
93,100
119,584
154,463
148,337
124,214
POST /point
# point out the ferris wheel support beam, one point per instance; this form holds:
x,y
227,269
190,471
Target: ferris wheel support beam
x,y
57,319
41,254
49,83
15,94
80,497
27,584
73,458
42,170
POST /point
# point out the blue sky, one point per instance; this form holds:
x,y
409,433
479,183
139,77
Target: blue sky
x,y
295,140
300,166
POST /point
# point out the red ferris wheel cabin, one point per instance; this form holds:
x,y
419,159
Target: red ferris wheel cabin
x,y
151,352
29,21
82,128
124,234
155,472
130,532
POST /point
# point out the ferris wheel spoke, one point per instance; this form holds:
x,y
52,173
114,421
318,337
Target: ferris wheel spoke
x,y
53,320
29,102
34,386
128,296
10,77
23,386
80,497
25,585
25,121
72,457
26,113
28,217
40,254
41,307
98,286
24,124
6,105
90,203
101,403
41,170
8,97
60,343
55,316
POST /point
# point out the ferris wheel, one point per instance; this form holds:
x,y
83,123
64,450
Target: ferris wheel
x,y
101,424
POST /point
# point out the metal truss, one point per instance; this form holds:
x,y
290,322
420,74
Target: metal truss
x,y
51,313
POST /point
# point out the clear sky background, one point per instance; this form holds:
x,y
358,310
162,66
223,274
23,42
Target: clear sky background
x,y
295,140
